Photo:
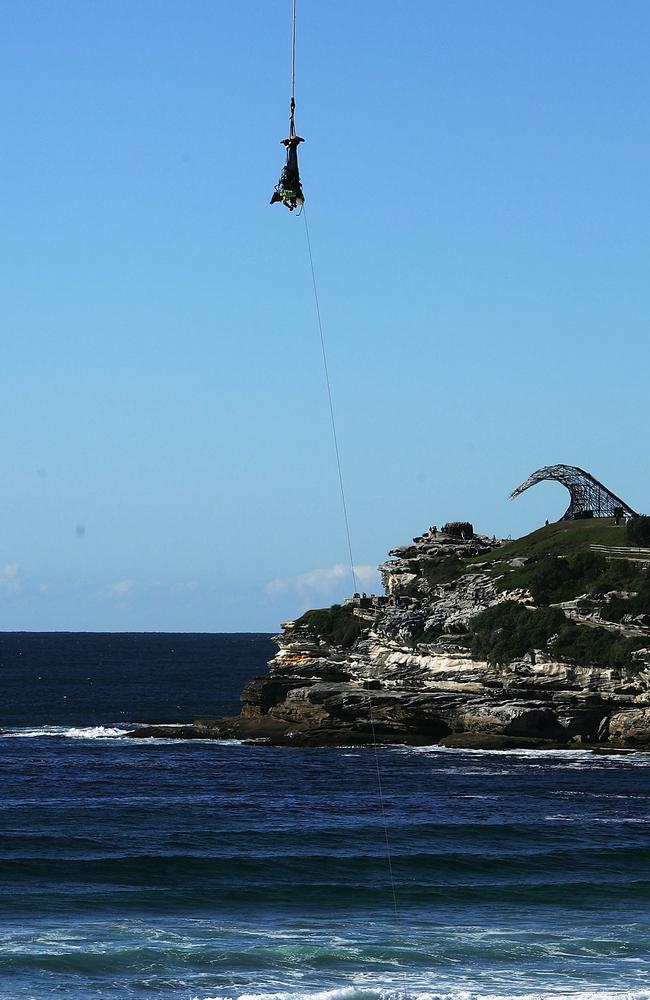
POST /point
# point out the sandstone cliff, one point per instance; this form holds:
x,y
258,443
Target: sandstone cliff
x,y
544,641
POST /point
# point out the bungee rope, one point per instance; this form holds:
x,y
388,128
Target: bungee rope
x,y
292,102
289,191
293,58
344,506
330,401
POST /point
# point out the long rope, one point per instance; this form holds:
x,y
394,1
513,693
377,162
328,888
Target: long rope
x,y
384,819
331,403
293,53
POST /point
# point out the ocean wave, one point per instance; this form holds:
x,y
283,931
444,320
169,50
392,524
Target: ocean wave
x,y
566,757
70,732
343,993
118,732
514,752
362,993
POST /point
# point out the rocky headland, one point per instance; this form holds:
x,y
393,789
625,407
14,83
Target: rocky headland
x,y
477,642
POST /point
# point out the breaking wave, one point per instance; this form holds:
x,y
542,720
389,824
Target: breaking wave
x,y
70,732
226,872
101,733
362,993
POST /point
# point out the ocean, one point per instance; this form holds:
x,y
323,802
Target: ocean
x,y
203,870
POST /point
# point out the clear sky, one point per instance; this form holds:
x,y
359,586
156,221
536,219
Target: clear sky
x,y
477,184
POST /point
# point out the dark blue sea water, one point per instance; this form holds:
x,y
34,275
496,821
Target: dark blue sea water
x,y
218,870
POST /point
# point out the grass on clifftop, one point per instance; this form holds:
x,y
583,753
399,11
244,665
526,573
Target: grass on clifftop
x,y
338,625
543,551
560,564
564,538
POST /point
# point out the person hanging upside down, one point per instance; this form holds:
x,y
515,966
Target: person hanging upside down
x,y
288,190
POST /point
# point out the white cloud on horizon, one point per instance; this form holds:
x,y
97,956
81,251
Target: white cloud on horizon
x,y
10,578
323,581
120,592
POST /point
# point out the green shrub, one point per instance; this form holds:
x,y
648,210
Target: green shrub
x,y
622,574
509,631
595,646
549,577
614,610
638,531
554,578
337,625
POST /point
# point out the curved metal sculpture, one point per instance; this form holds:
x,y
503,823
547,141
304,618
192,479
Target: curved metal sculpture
x,y
589,498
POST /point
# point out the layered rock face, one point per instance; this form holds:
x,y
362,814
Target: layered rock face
x,y
319,694
400,668
393,684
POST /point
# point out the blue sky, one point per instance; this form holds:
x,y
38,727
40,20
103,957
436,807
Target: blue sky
x,y
477,185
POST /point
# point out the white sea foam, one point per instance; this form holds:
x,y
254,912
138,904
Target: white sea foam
x,y
575,758
101,733
434,748
70,732
360,993
345,993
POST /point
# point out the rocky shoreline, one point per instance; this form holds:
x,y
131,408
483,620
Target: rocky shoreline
x,y
406,668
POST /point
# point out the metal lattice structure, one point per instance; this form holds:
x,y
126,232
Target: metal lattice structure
x,y
589,498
